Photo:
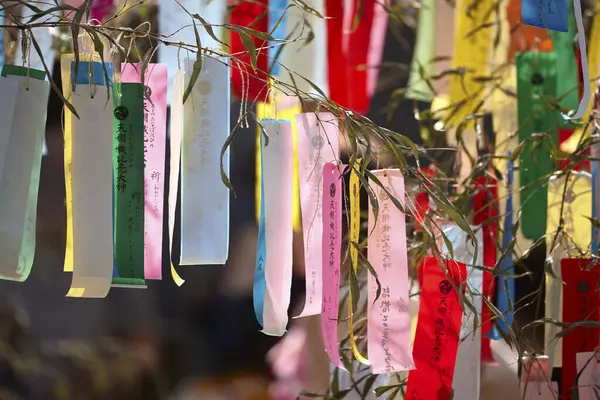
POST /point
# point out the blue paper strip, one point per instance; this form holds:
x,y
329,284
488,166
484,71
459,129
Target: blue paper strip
x,y
546,14
91,73
260,282
505,286
276,11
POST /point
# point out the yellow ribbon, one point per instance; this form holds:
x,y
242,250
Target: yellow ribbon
x,y
354,237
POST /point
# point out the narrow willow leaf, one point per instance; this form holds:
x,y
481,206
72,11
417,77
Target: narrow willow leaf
x,y
197,66
54,87
249,45
308,9
207,26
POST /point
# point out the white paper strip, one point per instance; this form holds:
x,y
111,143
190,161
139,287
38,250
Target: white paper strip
x,y
277,177
20,177
467,385
92,183
9,89
173,20
588,369
318,143
306,59
204,196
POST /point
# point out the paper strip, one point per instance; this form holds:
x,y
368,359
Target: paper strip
x,y
306,54
92,182
581,302
205,213
331,252
424,52
65,70
376,44
128,189
505,285
536,79
277,27
175,132
21,173
546,14
174,20
318,143
248,78
438,327
276,173
541,391
9,87
575,236
155,135
354,239
388,332
286,108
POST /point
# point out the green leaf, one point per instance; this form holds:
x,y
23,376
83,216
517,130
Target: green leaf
x,y
249,45
197,67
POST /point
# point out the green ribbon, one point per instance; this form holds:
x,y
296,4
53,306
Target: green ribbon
x,y
536,86
128,177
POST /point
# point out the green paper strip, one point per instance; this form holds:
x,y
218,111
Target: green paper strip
x,y
15,70
128,164
536,84
418,89
567,88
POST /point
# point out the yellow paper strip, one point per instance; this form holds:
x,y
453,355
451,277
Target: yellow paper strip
x,y
65,72
471,55
286,108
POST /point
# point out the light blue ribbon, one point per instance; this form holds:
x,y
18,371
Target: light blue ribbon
x,y
505,285
277,10
260,282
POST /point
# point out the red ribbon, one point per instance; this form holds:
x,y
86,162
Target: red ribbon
x,y
485,209
438,329
581,302
252,15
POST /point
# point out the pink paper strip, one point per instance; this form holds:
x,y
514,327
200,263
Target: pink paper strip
x,y
388,331
277,159
332,247
376,43
318,143
155,136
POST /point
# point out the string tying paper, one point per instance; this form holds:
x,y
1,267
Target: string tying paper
x,y
388,315
20,168
318,144
155,135
273,272
92,181
331,252
438,327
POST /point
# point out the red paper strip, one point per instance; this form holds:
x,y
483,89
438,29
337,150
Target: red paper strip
x,y
581,302
336,58
244,79
358,50
485,213
438,328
